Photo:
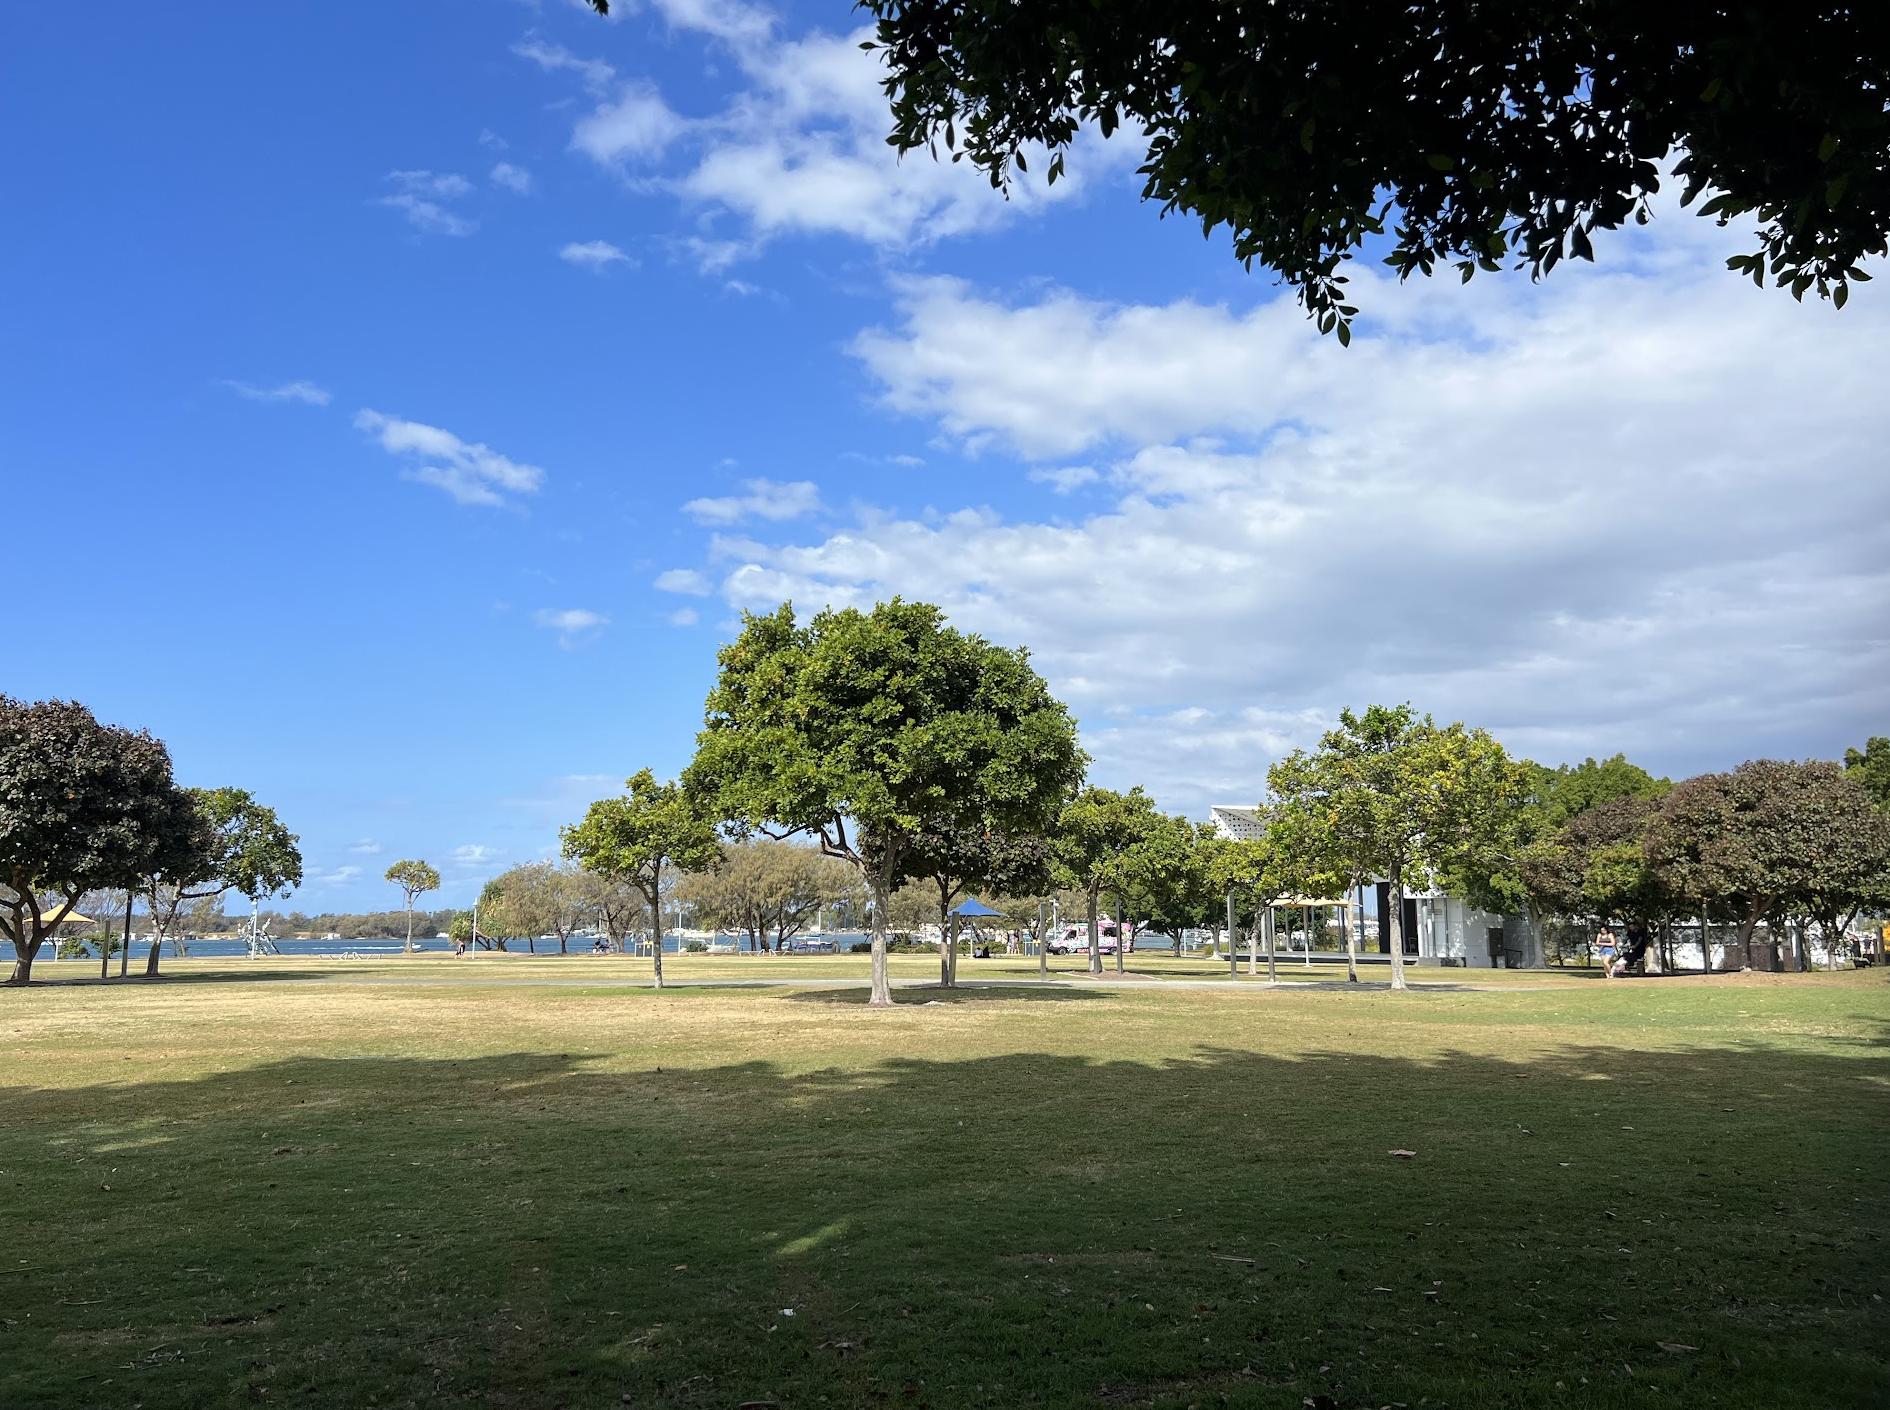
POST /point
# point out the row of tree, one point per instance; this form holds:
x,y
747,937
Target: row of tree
x,y
88,810
916,755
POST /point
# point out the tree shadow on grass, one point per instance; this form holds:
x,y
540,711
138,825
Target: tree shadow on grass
x,y
168,978
1228,1227
1020,991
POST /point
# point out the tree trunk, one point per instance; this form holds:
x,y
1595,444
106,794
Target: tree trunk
x,y
1351,943
1121,942
1746,927
881,996
1533,957
1043,942
1273,948
1233,942
1395,904
151,960
23,953
563,948
948,953
407,949
654,897
1253,941
1095,930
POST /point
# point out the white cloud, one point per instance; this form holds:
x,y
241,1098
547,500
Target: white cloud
x,y
804,150
637,125
419,198
1065,478
594,74
683,580
737,24
512,177
491,140
473,854
441,185
775,500
1609,512
332,876
470,472
305,392
572,624
683,617
366,847
799,149
593,254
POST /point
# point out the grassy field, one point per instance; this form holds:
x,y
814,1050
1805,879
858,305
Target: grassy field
x,y
531,1183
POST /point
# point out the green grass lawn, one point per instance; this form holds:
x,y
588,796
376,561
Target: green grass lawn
x,y
252,1185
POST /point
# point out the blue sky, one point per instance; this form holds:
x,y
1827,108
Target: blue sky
x,y
402,402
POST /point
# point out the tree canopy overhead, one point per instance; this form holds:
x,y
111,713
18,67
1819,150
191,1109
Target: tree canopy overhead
x,y
1472,135
869,730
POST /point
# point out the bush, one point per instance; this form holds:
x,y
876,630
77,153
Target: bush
x,y
860,947
696,947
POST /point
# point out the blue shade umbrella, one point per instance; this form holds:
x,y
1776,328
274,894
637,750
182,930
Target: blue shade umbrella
x,y
974,907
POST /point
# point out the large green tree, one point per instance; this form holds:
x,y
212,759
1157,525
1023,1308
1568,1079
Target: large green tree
x,y
1397,796
414,878
222,840
638,836
83,806
1469,135
1870,767
1165,878
1090,848
1529,867
1770,838
869,730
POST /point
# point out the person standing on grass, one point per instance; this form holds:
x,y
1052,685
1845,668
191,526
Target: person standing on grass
x,y
1604,944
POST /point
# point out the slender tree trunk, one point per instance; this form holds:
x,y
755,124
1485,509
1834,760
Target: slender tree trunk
x,y
881,995
151,960
948,952
1121,941
1095,930
1351,943
654,896
1043,942
1395,904
407,949
1253,941
1233,942
1273,948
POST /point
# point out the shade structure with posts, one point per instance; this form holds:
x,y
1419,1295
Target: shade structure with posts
x,y
973,910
